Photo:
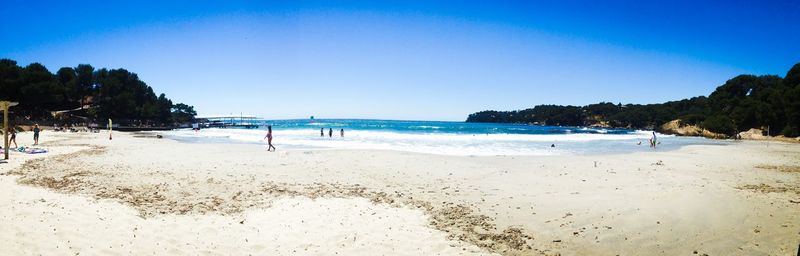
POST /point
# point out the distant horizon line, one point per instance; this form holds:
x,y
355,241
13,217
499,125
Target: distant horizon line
x,y
334,118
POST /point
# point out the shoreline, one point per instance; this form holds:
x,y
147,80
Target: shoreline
x,y
550,199
765,139
676,130
458,144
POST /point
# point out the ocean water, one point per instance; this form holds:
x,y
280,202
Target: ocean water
x,y
437,137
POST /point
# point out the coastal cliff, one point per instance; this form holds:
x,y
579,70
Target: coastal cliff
x,y
677,127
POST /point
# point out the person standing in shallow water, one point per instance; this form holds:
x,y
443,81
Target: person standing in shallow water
x,y
269,138
36,131
330,132
322,132
653,141
341,132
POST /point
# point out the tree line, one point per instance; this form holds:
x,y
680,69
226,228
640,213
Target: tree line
x,y
743,102
94,94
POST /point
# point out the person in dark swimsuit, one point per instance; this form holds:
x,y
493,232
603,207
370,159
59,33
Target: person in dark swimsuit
x,y
322,132
13,133
36,134
269,138
341,132
330,132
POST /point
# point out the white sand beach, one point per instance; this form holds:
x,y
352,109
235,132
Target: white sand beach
x,y
141,195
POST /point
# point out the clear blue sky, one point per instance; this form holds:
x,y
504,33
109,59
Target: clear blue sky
x,y
433,60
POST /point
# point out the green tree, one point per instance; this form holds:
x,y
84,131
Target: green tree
x,y
85,82
10,80
792,101
182,113
115,93
743,102
67,80
720,124
40,91
164,109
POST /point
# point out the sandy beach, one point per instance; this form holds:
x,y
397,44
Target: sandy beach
x,y
137,194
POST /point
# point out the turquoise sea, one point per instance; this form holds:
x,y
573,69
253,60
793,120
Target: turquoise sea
x,y
440,137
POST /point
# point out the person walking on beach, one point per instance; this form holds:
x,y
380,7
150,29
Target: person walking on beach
x,y
342,132
269,138
330,132
36,131
653,141
322,132
13,133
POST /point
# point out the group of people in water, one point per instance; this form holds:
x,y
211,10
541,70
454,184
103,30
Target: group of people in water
x,y
12,135
268,137
653,141
330,132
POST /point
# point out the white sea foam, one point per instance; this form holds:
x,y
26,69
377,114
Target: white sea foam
x,y
435,143
426,127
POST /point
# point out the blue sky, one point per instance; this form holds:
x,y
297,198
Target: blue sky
x,y
432,60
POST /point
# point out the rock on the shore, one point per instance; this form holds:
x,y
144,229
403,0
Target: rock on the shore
x,y
677,127
758,134
753,134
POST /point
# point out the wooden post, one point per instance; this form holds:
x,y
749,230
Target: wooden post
x,y
4,105
5,130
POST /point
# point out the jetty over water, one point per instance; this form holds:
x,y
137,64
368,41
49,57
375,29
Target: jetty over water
x,y
228,121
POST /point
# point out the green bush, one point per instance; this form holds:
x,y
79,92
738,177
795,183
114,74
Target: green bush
x,y
692,119
720,124
790,131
